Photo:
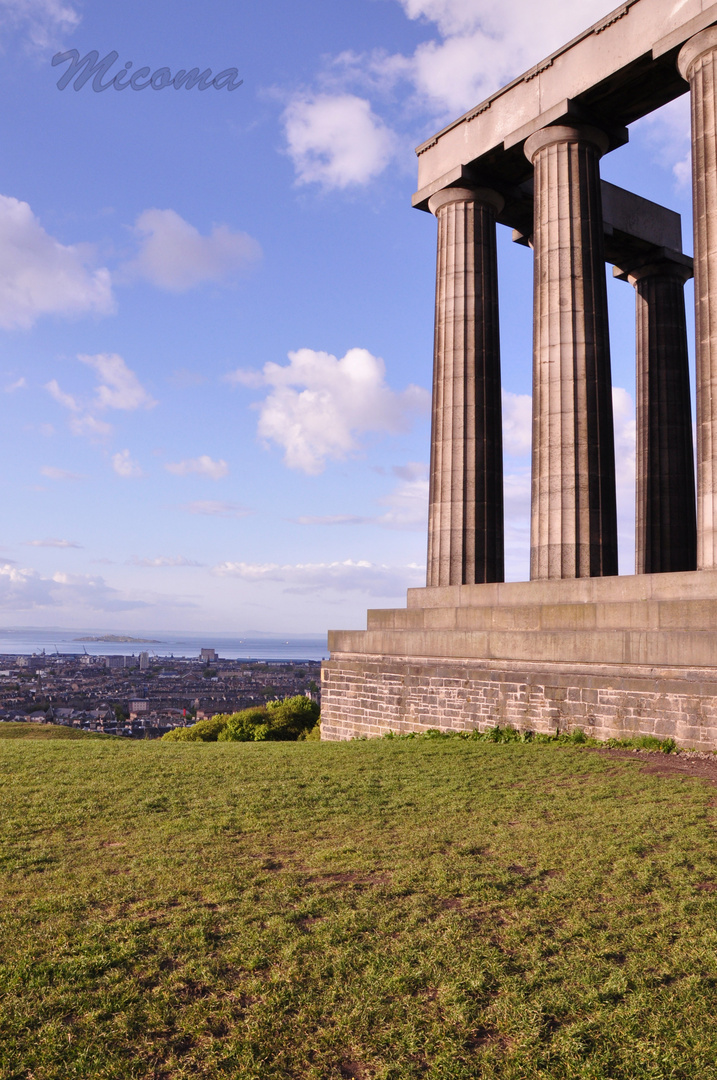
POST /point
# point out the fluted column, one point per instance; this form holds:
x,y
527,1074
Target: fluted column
x,y
697,63
465,516
665,526
573,509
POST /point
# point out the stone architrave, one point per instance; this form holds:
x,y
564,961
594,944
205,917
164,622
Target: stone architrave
x,y
573,508
697,63
665,525
465,523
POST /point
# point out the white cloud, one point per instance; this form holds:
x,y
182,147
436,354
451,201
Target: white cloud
x,y
124,466
667,132
24,589
42,22
216,508
484,45
119,386
336,140
52,543
66,400
90,426
319,404
201,466
41,276
517,423
347,576
53,473
407,504
164,560
19,384
175,256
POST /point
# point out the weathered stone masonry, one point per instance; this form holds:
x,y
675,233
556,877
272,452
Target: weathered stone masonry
x,y
367,696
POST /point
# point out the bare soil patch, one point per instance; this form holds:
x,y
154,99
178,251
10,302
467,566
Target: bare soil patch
x,y
686,763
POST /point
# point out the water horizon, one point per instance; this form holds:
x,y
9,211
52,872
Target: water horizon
x,y
29,640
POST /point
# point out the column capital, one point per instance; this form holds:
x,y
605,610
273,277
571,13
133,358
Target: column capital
x,y
696,47
485,196
562,133
659,263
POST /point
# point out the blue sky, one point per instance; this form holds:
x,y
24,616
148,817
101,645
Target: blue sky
x,y
216,307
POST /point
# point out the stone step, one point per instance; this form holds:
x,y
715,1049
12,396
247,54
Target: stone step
x,y
652,648
692,584
653,615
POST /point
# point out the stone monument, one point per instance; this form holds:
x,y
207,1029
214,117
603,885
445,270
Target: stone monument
x,y
576,645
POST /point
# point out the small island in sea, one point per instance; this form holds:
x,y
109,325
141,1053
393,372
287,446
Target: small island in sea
x,y
120,639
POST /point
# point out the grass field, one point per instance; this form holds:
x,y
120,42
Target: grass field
x,y
364,910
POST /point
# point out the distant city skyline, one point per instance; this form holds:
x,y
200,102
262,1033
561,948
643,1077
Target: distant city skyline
x,y
216,309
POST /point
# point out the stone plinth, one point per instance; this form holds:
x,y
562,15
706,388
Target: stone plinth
x,y
614,656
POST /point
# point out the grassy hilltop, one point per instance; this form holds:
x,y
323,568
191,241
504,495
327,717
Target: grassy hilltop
x,y
369,910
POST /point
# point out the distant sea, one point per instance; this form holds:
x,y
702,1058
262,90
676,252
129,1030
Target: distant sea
x,y
26,640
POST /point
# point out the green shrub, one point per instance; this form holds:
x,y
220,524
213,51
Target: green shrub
x,y
249,725
279,721
203,731
291,718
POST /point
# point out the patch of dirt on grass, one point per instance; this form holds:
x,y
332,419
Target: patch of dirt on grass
x,y
353,1070
484,1038
352,877
687,764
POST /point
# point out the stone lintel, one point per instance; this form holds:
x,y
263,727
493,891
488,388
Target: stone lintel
x,y
619,69
634,227
653,262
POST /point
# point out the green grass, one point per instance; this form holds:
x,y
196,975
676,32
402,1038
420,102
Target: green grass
x,y
388,909
11,730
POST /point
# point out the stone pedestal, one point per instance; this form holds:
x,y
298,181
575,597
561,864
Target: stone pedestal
x,y
615,656
665,525
465,524
698,64
574,516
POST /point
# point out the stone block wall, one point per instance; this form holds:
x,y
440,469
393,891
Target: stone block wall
x,y
367,696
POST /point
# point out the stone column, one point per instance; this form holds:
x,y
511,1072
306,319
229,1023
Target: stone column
x,y
465,517
573,509
697,63
665,525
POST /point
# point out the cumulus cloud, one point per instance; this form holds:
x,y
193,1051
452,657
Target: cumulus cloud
x,y
318,405
175,256
216,508
482,45
41,276
336,140
42,23
53,473
124,466
119,388
25,589
52,543
348,576
164,560
201,466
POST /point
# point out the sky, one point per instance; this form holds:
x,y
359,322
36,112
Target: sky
x,y
216,306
